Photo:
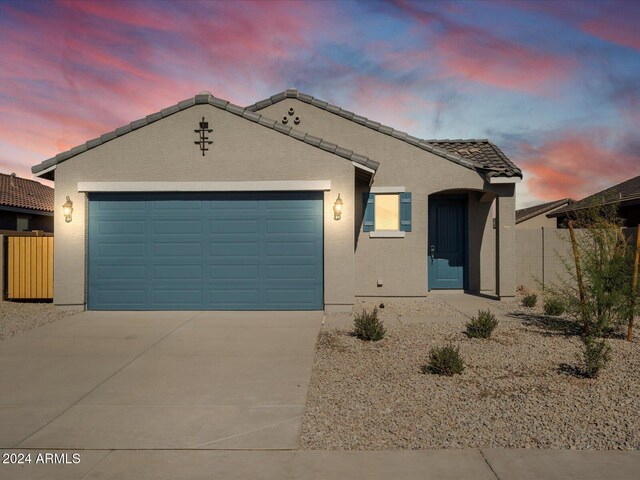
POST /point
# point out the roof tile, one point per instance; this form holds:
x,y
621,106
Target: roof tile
x,y
23,193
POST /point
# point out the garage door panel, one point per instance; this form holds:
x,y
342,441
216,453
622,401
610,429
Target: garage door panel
x,y
284,248
121,227
119,250
234,249
299,296
177,272
291,272
172,298
122,272
127,298
178,227
185,206
177,249
206,251
234,297
234,226
288,225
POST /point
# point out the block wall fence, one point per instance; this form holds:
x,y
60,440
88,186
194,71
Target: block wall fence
x,y
540,253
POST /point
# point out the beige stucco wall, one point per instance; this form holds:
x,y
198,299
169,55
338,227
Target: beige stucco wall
x,y
242,151
401,263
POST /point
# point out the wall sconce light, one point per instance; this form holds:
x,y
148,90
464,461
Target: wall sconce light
x,y
67,209
337,208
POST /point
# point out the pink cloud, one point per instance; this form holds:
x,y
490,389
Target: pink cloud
x,y
478,55
484,58
575,164
619,30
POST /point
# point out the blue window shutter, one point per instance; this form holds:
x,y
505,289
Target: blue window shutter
x,y
369,224
405,212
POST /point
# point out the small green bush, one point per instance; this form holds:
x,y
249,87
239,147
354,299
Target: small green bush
x,y
367,326
553,307
596,353
530,300
483,325
444,361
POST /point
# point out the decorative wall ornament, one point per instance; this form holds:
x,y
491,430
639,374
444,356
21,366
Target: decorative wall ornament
x,y
285,120
204,139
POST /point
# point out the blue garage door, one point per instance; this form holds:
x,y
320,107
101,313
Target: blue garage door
x,y
206,251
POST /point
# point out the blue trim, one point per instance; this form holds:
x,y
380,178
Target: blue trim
x,y
405,211
369,223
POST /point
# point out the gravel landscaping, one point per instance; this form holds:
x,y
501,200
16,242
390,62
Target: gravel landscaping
x,y
18,317
404,307
517,391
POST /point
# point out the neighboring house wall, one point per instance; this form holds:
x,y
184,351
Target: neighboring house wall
x,y
242,151
539,221
401,263
631,215
9,221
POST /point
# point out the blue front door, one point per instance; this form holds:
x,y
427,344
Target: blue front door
x,y
447,243
206,251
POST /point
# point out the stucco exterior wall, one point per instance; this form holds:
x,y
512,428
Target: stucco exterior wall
x,y
242,151
401,263
539,221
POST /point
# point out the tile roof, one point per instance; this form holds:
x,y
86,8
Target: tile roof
x,y
530,212
204,98
627,191
482,152
22,193
488,158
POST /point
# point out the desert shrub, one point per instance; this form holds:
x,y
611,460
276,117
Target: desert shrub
x,y
553,307
594,356
483,325
606,301
444,361
367,326
530,300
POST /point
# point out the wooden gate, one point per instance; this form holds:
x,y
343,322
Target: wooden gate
x,y
30,268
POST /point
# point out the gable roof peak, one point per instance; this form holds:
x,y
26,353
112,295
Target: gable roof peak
x,y
492,162
45,169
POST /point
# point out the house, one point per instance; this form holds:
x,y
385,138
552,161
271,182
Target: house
x,y
25,205
289,204
536,216
625,195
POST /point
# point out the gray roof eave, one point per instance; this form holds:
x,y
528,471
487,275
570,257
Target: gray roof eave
x,y
377,126
201,99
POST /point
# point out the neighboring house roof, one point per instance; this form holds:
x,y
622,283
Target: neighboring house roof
x,y
488,158
530,212
46,167
19,192
623,193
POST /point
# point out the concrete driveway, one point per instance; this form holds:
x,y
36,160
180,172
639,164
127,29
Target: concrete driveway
x,y
158,380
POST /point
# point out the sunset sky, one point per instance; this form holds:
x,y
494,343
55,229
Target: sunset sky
x,y
555,84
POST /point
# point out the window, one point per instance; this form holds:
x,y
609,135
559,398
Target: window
x,y
22,224
387,212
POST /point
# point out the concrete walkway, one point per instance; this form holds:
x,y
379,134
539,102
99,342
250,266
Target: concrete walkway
x,y
472,464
